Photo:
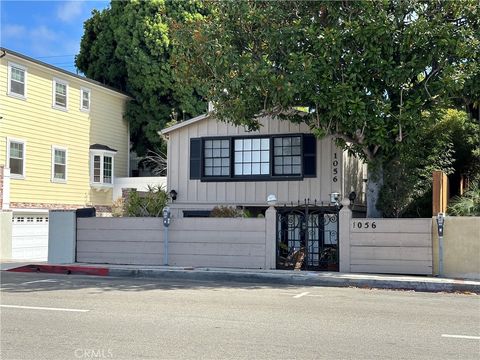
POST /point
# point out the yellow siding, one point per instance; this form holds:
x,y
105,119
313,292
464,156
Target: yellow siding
x,y
41,126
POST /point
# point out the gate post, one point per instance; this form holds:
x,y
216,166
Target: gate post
x,y
270,238
344,218
62,236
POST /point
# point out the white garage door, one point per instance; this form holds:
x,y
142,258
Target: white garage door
x,y
30,236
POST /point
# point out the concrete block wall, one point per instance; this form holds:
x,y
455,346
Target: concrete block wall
x,y
461,247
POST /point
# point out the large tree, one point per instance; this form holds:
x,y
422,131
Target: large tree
x,y
128,46
365,70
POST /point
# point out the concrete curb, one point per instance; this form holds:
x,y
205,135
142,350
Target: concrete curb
x,y
301,279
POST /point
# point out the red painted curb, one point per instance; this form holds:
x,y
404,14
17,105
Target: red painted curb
x,y
63,269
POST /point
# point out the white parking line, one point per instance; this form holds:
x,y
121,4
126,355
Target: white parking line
x,y
39,281
461,336
42,308
300,295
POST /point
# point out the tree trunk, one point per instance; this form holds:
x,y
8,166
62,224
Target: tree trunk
x,y
374,185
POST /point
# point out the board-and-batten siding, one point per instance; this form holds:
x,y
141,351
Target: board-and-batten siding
x,y
197,194
35,121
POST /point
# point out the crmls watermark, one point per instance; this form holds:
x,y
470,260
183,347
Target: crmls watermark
x,y
93,353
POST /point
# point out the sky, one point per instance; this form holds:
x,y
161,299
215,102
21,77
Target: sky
x,y
49,31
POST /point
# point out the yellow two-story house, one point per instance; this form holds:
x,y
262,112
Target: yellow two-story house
x,y
63,140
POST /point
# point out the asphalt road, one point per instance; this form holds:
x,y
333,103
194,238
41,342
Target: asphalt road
x,y
76,317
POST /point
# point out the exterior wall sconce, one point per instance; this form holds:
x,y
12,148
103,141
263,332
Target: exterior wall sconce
x,y
173,195
352,196
271,200
334,196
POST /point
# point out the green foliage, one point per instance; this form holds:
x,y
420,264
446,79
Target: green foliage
x,y
128,46
226,212
450,144
149,204
468,204
365,70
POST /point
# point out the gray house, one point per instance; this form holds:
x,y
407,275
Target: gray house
x,y
211,163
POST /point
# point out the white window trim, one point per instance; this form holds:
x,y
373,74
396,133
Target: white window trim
x,y
54,105
53,179
9,92
16,176
82,90
102,154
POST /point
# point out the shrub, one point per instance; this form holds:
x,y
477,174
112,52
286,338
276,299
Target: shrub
x,y
468,204
148,204
226,212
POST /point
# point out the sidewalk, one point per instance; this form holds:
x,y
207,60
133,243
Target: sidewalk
x,y
285,277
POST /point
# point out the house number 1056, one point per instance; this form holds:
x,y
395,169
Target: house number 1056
x,y
364,224
335,168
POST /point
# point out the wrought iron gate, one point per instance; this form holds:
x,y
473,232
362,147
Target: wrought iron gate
x,y
307,237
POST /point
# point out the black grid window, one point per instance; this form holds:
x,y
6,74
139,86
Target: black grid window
x,y
217,157
287,159
252,156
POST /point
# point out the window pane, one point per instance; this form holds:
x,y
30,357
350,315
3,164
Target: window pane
x,y
238,169
296,150
256,156
59,157
96,168
287,160
238,144
247,169
247,157
296,141
17,88
265,156
296,169
278,170
217,158
278,160
60,89
60,100
238,157
287,141
265,168
16,166
107,169
277,142
255,169
255,144
59,172
277,151
16,150
247,144
296,160
18,74
265,144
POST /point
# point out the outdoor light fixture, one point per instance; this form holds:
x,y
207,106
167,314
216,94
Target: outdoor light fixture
x,y
173,195
334,196
352,196
271,200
